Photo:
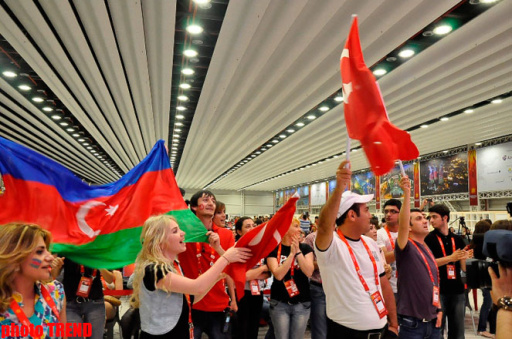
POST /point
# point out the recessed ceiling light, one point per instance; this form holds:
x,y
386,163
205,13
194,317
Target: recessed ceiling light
x,y
406,53
89,147
37,99
179,116
47,109
76,135
324,108
445,151
445,119
174,148
469,110
64,124
497,101
380,71
85,143
185,86
354,150
194,29
200,2
442,29
177,130
56,117
282,136
339,98
478,143
24,87
190,53
300,124
9,74
290,130
424,126
179,124
187,71
275,141
70,130
488,1
269,145
183,98
81,140
181,108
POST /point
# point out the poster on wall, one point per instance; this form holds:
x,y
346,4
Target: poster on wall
x,y
280,198
332,186
390,183
494,167
363,183
304,196
445,175
318,194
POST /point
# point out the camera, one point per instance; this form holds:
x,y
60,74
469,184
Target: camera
x,y
498,247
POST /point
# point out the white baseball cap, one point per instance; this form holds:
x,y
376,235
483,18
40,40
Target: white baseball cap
x,y
350,198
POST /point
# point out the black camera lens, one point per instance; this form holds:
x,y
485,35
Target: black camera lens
x,y
477,274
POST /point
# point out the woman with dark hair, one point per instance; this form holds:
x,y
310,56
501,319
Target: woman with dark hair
x,y
249,307
477,245
25,281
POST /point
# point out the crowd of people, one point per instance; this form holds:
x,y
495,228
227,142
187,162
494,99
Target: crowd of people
x,y
350,277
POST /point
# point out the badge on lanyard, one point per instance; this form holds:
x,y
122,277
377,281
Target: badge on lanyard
x,y
435,297
291,288
84,287
378,302
255,287
451,271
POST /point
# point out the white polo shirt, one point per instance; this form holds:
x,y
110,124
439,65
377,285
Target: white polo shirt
x,y
348,304
383,241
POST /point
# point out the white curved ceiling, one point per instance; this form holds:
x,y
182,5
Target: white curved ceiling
x,y
273,62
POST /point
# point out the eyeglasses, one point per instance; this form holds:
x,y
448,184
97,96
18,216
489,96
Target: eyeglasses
x,y
391,211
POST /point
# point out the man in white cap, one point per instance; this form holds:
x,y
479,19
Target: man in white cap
x,y
360,301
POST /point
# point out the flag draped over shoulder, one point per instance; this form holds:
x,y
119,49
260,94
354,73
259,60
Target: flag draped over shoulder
x,y
365,114
98,226
262,240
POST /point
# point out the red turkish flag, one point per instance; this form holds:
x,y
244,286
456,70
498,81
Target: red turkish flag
x,y
262,240
365,114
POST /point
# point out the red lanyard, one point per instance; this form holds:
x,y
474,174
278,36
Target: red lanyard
x,y
390,238
82,272
187,296
442,246
279,259
199,247
22,316
356,265
426,263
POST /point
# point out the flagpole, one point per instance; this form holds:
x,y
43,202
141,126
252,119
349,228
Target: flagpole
x,y
347,153
401,168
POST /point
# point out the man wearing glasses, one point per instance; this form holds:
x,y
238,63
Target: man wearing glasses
x,y
386,237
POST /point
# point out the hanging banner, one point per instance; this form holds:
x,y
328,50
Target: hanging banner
x,y
417,197
472,178
377,192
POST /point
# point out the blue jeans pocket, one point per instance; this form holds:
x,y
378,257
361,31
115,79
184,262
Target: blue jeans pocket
x,y
273,303
306,304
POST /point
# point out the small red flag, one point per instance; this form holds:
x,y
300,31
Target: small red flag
x,y
365,114
262,240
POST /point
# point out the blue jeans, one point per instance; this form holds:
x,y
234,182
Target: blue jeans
x,y
92,311
453,306
289,321
484,310
414,328
318,312
211,323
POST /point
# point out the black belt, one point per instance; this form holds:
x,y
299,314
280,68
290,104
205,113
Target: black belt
x,y
419,319
312,282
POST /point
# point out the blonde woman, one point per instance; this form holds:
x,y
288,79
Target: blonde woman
x,y
25,281
291,263
161,292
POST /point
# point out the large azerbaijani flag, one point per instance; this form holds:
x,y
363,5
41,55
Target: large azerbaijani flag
x,y
97,226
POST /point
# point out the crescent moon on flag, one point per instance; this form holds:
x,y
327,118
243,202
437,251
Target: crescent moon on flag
x,y
82,213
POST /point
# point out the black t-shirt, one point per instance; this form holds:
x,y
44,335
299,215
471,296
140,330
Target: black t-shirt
x,y
448,286
181,328
278,290
72,276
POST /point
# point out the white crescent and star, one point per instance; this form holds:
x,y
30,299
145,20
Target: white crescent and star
x,y
84,210
346,88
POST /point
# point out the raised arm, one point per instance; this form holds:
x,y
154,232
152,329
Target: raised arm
x,y
202,284
405,214
328,214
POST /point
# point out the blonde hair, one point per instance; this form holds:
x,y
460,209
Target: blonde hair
x,y
153,237
17,242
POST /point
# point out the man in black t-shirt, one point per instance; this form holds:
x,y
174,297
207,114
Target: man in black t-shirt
x,y
448,249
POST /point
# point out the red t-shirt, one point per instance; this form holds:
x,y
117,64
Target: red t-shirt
x,y
216,300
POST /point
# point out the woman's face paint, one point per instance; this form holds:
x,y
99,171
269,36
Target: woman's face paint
x,y
35,263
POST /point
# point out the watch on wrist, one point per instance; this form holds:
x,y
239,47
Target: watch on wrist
x,y
505,303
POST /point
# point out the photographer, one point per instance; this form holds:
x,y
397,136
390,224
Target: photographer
x,y
501,296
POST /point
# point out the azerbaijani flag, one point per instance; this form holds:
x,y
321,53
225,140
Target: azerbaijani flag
x,y
97,226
